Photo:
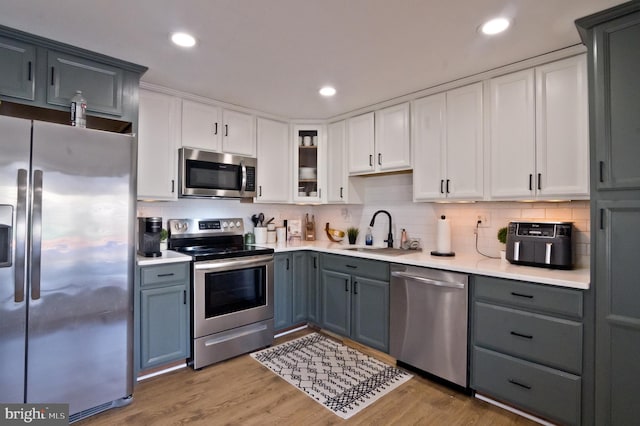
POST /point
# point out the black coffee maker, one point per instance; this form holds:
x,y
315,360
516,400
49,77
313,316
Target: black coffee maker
x,y
149,229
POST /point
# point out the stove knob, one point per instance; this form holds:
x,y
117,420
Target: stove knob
x,y
224,225
232,225
238,224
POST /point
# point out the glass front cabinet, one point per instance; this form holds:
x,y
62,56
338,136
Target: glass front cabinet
x,y
309,145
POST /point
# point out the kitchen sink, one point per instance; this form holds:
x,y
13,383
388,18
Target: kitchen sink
x,y
387,251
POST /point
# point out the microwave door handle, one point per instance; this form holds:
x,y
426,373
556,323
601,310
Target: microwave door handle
x,y
243,183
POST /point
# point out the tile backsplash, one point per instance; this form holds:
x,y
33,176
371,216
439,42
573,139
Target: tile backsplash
x,y
394,194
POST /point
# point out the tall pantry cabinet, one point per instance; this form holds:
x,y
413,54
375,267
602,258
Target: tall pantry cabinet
x,y
611,37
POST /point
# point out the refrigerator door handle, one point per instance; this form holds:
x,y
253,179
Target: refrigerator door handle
x,y
36,232
21,232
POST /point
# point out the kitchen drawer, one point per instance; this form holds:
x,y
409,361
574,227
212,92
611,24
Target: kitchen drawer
x,y
543,298
355,266
540,390
551,341
161,274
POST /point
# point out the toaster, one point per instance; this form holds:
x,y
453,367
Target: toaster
x,y
544,244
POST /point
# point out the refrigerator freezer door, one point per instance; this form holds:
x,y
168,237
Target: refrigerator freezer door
x,y
80,323
15,137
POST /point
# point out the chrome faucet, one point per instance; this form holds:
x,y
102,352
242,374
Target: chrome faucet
x,y
389,239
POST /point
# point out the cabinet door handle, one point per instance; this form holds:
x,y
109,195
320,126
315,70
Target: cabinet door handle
x,y
341,193
519,384
170,274
226,130
539,181
173,186
442,186
53,70
447,187
530,182
601,171
351,266
355,287
602,219
259,190
526,296
315,263
287,263
346,285
184,297
526,336
319,192
29,76
215,128
370,160
380,159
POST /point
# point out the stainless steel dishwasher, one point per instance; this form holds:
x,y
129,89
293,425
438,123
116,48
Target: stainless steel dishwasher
x,y
428,321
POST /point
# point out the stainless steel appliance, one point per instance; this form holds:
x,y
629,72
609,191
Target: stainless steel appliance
x,y
149,231
428,321
207,174
546,244
67,231
232,288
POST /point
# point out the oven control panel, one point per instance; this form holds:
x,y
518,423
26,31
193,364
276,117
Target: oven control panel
x,y
188,228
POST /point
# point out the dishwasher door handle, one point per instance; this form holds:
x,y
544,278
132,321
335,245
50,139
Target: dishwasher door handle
x,y
426,280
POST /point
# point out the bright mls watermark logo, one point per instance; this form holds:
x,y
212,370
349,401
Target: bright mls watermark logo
x,y
34,414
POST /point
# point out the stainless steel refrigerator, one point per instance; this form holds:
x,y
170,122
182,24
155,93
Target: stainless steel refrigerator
x,y
67,211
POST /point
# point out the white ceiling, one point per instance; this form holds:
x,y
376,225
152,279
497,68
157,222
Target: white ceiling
x,y
274,55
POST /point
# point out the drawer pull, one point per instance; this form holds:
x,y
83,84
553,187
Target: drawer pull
x,y
166,275
526,296
351,266
526,336
519,384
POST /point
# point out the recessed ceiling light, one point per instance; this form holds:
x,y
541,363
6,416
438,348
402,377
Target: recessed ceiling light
x,y
495,26
183,39
327,91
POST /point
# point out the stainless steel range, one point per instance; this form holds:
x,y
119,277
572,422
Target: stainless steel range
x,y
232,288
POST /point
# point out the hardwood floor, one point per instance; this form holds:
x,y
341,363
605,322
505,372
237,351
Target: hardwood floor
x,y
241,391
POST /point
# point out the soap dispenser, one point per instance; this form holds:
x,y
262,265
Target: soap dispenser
x,y
369,237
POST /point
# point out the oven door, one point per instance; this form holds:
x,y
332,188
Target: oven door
x,y
230,293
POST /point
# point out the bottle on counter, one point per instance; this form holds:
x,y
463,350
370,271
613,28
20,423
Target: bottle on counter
x,y
403,239
369,237
78,110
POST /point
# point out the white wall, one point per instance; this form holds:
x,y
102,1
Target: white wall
x,y
394,194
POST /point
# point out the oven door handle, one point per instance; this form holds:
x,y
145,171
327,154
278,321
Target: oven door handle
x,y
235,263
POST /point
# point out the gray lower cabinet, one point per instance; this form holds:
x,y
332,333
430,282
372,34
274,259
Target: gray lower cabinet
x,y
293,289
527,346
355,299
161,312
17,68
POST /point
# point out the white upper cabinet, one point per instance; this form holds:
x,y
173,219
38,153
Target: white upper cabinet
x,y
361,142
539,133
380,141
158,143
448,145
341,189
274,161
562,129
238,133
213,128
393,138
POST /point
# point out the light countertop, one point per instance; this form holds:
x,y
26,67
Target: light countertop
x,y
168,256
471,263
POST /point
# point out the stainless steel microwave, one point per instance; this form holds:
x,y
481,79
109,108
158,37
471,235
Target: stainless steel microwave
x,y
207,174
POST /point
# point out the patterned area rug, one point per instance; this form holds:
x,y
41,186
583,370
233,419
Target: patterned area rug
x,y
340,378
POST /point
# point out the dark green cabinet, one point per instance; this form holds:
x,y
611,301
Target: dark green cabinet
x,y
17,68
38,72
612,38
101,84
161,312
294,288
355,299
527,346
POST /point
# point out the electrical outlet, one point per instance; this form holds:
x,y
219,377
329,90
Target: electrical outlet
x,y
484,220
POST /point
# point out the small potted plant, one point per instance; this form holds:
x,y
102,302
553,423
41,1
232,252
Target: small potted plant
x,y
352,234
163,239
502,237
